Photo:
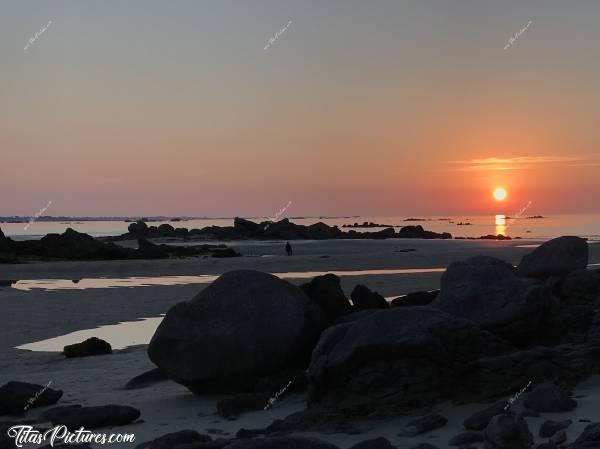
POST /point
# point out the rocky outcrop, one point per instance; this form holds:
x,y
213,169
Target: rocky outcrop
x,y
556,257
243,326
91,346
363,298
508,432
327,293
392,359
415,299
488,292
549,398
589,439
175,439
76,416
423,424
17,397
282,443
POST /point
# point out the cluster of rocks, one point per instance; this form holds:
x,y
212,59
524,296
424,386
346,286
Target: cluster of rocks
x,y
491,329
73,245
243,229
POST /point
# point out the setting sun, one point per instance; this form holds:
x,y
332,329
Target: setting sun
x,y
500,194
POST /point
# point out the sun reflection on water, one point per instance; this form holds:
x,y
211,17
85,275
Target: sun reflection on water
x,y
501,224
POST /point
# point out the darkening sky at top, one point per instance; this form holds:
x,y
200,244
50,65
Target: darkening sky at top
x,y
359,107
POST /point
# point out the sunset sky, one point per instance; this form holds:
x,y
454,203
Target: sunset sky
x,y
383,107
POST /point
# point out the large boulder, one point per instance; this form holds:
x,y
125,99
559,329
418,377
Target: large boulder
x,y
138,229
175,439
327,293
589,439
17,397
91,346
556,257
394,359
550,398
508,432
74,417
364,298
488,292
243,326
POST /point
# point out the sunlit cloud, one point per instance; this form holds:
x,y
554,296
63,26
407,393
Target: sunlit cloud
x,y
523,162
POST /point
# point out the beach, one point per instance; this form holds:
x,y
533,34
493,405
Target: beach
x,y
391,267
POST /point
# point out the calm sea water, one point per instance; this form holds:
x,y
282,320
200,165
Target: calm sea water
x,y
584,225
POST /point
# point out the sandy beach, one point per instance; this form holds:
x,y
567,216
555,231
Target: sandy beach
x,y
37,314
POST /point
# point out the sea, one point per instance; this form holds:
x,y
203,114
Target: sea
x,y
527,227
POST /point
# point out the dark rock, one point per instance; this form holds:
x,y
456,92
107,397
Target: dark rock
x,y
91,346
166,230
415,299
363,298
466,438
508,432
479,420
375,443
148,250
16,397
138,229
174,440
589,439
393,359
233,407
556,257
547,445
146,379
282,443
417,232
549,398
228,252
581,284
327,293
243,326
487,292
76,416
423,424
424,446
559,437
549,427
245,226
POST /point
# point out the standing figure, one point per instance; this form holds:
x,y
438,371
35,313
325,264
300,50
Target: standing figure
x,y
288,249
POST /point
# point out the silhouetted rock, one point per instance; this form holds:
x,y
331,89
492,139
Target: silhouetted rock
x,y
76,416
479,420
415,299
139,229
175,440
243,326
233,407
392,359
466,438
363,298
549,398
91,346
16,397
375,443
417,232
556,257
282,443
146,379
508,432
488,292
327,293
423,424
166,230
589,439
581,284
549,427
228,252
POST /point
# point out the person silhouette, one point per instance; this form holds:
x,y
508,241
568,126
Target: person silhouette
x,y
288,249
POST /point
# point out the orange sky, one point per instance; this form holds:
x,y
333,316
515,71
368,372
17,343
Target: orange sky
x,y
404,109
